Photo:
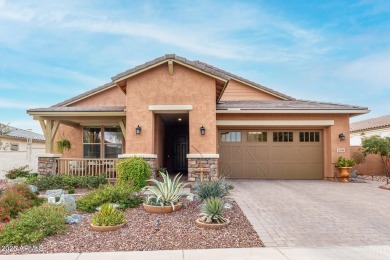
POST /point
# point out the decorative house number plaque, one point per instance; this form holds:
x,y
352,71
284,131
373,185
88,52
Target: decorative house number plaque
x,y
341,150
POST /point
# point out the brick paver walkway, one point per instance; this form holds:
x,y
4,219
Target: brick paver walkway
x,y
316,213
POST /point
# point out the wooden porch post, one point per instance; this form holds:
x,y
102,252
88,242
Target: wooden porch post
x,y
49,128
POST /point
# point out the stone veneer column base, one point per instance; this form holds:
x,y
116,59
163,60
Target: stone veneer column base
x,y
149,158
209,164
47,164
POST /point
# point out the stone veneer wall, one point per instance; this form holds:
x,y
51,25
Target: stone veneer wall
x,y
47,165
152,163
210,166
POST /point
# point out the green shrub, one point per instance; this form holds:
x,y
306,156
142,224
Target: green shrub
x,y
34,225
66,182
135,170
18,172
122,194
71,191
167,192
16,199
217,188
344,162
108,216
212,210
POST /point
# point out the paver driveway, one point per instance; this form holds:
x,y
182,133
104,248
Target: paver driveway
x,y
316,213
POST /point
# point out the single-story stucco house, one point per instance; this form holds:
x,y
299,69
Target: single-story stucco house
x,y
19,147
176,113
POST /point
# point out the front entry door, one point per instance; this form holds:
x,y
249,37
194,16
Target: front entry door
x,y
180,153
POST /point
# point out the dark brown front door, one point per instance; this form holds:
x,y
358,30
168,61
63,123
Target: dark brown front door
x,y
180,151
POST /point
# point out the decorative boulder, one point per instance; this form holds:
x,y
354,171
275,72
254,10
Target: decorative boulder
x,y
74,219
33,188
53,193
68,201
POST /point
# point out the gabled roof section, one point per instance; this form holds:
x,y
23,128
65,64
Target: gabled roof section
x,y
221,76
202,67
85,95
372,123
291,106
23,134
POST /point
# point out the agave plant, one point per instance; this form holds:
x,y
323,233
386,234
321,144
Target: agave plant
x,y
167,192
212,210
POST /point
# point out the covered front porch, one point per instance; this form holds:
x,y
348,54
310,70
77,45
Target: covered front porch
x,y
97,137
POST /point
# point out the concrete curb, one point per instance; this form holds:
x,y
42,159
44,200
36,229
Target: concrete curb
x,y
331,253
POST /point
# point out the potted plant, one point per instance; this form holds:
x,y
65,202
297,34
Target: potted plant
x,y
164,196
344,165
212,214
108,219
63,144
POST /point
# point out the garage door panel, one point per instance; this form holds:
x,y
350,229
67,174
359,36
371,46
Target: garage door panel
x,y
270,159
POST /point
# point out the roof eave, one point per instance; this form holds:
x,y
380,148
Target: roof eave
x,y
291,111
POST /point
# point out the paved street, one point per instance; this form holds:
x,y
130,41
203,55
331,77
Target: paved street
x,y
315,213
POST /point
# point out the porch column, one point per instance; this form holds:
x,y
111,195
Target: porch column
x,y
206,163
47,164
49,128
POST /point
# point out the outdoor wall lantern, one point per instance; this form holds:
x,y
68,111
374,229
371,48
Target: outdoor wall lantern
x,y
138,130
202,130
341,137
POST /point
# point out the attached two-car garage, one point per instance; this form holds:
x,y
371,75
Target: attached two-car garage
x,y
271,154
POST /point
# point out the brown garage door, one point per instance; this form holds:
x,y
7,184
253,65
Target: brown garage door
x,y
271,154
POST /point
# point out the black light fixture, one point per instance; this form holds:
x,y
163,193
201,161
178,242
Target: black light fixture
x,y
202,130
341,137
138,130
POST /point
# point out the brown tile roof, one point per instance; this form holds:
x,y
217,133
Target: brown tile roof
x,y
373,123
201,66
285,105
79,109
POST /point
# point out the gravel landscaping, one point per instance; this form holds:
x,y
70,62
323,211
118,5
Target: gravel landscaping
x,y
177,231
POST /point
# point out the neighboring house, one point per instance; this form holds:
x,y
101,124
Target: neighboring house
x,y
374,126
19,148
177,113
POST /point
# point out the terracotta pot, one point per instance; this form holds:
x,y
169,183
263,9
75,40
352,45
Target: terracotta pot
x,y
106,228
161,210
344,173
211,225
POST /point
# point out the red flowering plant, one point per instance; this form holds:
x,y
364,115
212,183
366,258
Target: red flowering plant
x,y
18,172
16,199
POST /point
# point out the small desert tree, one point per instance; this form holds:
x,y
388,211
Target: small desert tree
x,y
4,129
381,147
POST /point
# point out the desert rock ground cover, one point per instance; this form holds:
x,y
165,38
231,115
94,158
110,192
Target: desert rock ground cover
x,y
177,231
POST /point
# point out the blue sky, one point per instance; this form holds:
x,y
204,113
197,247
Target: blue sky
x,y
335,51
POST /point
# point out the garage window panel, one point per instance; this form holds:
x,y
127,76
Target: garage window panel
x,y
257,136
283,137
312,137
231,137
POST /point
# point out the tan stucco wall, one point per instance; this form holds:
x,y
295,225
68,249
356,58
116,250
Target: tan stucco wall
x,y
331,133
238,91
157,87
110,97
75,136
371,166
24,156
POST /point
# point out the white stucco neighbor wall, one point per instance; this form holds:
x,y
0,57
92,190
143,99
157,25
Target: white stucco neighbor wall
x,y
24,156
356,138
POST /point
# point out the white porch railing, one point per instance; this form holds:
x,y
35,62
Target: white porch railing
x,y
84,167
